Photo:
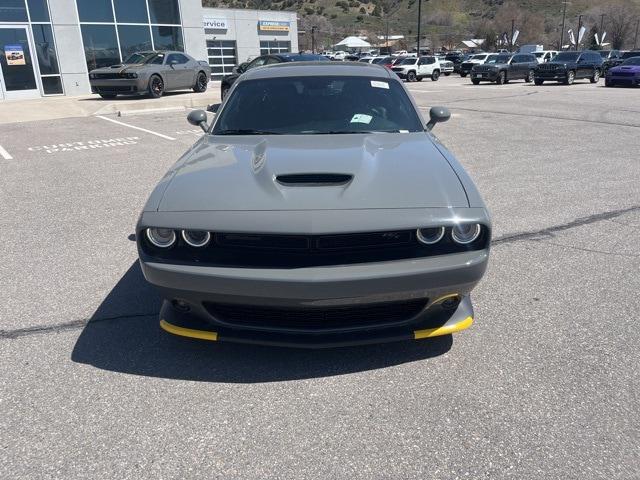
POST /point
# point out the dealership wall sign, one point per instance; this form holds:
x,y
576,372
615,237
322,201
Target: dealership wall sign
x,y
14,54
215,23
273,26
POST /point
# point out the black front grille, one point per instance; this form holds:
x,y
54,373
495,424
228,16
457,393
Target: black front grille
x,y
256,250
107,76
547,68
317,318
115,89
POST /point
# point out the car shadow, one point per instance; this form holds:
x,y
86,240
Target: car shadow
x,y
142,96
123,336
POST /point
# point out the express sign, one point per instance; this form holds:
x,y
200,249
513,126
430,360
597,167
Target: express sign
x,y
273,26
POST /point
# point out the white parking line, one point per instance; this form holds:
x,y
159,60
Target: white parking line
x,y
136,128
4,154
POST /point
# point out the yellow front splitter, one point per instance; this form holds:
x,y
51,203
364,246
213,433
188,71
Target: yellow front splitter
x,y
417,334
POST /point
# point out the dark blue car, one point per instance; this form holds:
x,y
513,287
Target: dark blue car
x,y
270,59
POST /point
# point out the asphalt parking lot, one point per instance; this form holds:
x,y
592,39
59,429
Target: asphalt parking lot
x,y
545,385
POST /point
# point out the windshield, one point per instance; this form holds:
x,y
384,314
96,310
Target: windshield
x,y
503,59
566,57
478,57
604,53
632,61
317,105
539,54
492,59
630,55
409,61
139,57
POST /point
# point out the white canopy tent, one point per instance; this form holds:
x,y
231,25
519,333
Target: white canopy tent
x,y
353,42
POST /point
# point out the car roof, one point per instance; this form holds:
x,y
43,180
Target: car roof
x,y
302,69
298,57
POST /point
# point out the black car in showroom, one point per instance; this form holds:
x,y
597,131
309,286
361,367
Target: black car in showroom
x,y
505,67
615,61
270,59
569,66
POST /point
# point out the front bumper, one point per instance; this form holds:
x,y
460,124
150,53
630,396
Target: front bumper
x,y
623,80
552,76
484,76
401,74
123,86
192,326
433,279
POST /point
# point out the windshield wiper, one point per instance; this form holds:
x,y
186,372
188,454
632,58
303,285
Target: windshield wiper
x,y
245,131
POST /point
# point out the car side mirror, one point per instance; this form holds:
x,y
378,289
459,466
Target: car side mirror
x,y
198,118
213,108
438,115
241,68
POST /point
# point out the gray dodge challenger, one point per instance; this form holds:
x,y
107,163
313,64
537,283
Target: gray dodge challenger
x,y
318,210
151,73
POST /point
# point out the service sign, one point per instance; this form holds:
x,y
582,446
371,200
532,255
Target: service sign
x,y
273,26
215,23
14,54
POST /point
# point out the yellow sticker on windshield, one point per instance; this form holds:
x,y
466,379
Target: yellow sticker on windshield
x,y
377,84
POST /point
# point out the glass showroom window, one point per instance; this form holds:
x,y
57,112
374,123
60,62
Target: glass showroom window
x,y
222,57
47,58
114,29
274,46
38,11
133,38
167,38
13,11
100,45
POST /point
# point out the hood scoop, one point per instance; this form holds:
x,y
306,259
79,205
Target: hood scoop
x,y
314,179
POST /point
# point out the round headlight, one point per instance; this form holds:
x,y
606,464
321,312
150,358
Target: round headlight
x,y
430,236
196,238
161,237
466,233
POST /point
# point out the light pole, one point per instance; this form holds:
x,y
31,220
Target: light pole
x,y
513,29
635,41
578,32
564,17
313,39
419,21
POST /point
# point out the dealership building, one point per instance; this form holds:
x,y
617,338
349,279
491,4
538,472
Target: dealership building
x,y
48,47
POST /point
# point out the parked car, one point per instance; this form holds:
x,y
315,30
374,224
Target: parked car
x,y
614,62
339,55
627,73
366,60
569,66
229,80
544,56
385,61
446,67
152,73
477,59
415,69
455,58
351,58
398,60
610,54
318,210
504,68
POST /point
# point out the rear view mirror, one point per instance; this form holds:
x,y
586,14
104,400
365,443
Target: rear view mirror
x,y
438,115
198,118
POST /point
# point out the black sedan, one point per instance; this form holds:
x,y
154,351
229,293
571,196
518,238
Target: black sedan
x,y
229,80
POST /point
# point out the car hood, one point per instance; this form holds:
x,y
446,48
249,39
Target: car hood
x,y
403,170
120,68
626,68
560,64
